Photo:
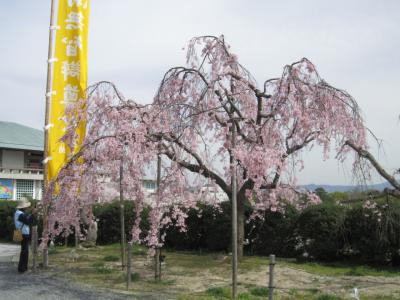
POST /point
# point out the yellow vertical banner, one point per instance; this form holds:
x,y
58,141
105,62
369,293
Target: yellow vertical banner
x,y
69,78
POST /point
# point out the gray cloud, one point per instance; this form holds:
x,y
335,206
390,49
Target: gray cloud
x,y
353,43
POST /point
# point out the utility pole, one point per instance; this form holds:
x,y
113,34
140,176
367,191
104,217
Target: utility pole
x,y
52,28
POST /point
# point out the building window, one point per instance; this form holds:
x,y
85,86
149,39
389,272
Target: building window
x,y
24,188
150,185
33,160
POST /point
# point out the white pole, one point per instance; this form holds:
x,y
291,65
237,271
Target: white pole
x,y
47,118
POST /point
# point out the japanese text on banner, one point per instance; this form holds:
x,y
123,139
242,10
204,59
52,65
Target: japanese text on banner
x,y
69,78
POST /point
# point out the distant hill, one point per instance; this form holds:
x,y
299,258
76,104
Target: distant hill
x,y
347,188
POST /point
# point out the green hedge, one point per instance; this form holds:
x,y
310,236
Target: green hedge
x,y
109,226
274,234
319,232
372,237
7,210
208,229
324,232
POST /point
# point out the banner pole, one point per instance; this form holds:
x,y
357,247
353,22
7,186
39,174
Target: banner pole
x,y
52,28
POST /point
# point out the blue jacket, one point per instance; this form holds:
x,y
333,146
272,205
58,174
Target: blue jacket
x,y
22,221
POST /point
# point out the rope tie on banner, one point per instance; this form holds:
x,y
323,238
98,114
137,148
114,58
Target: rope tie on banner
x,y
54,27
51,93
51,60
46,160
48,126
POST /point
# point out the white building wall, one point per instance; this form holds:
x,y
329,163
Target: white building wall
x,y
14,189
11,162
13,159
38,190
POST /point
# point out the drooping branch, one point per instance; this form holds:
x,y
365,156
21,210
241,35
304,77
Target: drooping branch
x,y
369,157
200,169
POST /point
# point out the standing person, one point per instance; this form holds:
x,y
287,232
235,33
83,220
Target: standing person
x,y
22,222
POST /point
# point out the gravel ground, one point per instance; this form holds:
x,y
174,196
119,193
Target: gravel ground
x,y
15,286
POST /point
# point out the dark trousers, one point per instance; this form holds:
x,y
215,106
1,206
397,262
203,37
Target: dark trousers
x,y
24,256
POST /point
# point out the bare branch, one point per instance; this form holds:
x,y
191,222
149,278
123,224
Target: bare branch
x,y
368,156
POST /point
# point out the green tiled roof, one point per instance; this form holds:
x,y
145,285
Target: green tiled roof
x,y
17,136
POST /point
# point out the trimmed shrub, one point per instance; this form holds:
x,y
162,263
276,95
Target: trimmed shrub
x,y
191,239
217,227
7,210
109,226
323,232
272,234
318,232
208,229
373,235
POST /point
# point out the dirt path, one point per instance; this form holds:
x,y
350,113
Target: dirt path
x,y
288,278
44,287
185,273
8,252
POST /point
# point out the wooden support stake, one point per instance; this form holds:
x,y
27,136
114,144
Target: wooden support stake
x,y
234,216
34,247
129,267
122,215
157,275
157,262
271,277
76,238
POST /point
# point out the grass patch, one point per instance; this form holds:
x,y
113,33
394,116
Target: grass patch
x,y
355,272
259,291
293,292
135,277
163,282
111,258
96,266
341,269
52,250
219,292
103,270
139,250
380,298
244,296
328,297
312,291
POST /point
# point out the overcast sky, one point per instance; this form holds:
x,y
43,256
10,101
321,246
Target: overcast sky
x,y
354,44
